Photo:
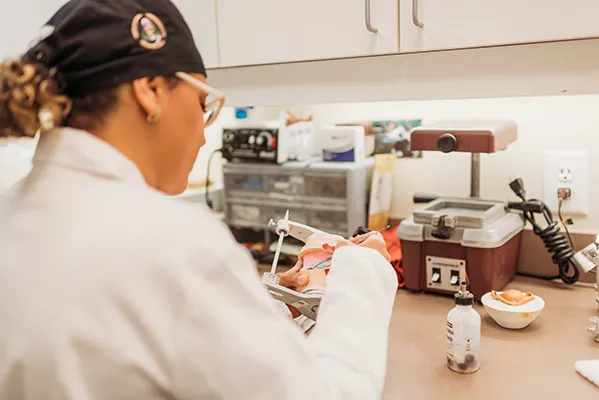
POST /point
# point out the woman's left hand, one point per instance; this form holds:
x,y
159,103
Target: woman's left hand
x,y
292,279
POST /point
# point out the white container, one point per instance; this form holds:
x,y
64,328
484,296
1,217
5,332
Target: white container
x,y
463,334
342,143
512,317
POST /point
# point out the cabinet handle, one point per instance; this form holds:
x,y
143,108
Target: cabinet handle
x,y
368,23
415,19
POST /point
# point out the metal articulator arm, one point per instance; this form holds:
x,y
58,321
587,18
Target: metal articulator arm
x,y
294,229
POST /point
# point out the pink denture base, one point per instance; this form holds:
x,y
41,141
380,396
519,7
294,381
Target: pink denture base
x,y
314,257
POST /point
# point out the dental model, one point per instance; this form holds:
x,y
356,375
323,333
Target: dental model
x,y
513,297
319,246
312,261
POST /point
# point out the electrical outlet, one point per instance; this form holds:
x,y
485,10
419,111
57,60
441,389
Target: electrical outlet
x,y
565,175
567,170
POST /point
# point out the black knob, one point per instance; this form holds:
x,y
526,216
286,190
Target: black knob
x,y
227,153
229,137
447,143
263,140
424,198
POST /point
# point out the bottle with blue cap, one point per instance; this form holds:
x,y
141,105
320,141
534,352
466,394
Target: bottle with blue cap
x,y
463,334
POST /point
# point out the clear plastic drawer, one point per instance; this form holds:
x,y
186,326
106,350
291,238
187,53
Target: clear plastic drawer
x,y
248,182
325,185
246,215
288,184
329,221
295,214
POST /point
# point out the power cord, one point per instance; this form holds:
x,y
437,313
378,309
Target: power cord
x,y
556,243
207,199
564,194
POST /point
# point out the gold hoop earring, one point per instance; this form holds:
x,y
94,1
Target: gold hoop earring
x,y
152,119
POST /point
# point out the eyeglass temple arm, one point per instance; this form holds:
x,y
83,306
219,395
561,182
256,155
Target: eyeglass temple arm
x,y
200,85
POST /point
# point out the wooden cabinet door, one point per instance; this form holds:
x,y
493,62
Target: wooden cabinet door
x,y
451,24
201,18
273,31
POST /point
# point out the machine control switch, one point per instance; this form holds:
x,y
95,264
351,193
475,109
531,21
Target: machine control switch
x,y
454,280
436,278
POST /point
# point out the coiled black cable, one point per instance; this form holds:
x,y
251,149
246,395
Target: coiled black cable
x,y
556,244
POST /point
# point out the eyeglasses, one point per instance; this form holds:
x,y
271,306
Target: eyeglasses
x,y
215,99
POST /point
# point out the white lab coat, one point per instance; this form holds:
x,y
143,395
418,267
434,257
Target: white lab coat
x,y
111,291
13,168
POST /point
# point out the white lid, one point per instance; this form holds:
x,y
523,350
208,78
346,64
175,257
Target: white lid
x,y
496,234
493,235
411,231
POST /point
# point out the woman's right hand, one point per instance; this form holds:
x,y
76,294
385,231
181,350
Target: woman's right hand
x,y
374,241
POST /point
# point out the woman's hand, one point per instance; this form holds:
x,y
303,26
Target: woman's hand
x,y
374,241
293,279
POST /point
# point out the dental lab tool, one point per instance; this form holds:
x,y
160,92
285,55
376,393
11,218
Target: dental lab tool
x,y
282,230
472,239
274,142
588,260
308,301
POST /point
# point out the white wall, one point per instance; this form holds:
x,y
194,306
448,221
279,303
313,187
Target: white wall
x,y
545,123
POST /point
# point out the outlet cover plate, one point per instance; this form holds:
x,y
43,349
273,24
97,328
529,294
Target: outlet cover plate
x,y
567,169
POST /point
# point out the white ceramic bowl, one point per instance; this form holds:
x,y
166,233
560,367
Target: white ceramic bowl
x,y
513,317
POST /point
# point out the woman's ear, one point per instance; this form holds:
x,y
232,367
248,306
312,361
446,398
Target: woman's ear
x,y
147,93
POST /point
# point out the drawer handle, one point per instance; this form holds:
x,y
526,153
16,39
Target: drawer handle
x,y
368,22
415,19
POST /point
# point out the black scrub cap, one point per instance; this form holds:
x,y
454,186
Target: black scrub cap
x,y
100,44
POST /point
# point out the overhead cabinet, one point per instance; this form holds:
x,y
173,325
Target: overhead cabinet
x,y
427,25
232,33
254,32
201,18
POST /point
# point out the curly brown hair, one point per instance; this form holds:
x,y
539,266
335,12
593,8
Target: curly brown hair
x,y
27,92
31,101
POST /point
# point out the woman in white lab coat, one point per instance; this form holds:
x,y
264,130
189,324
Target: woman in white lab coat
x,y
108,289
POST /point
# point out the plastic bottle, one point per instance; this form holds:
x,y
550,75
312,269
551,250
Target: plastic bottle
x,y
463,334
